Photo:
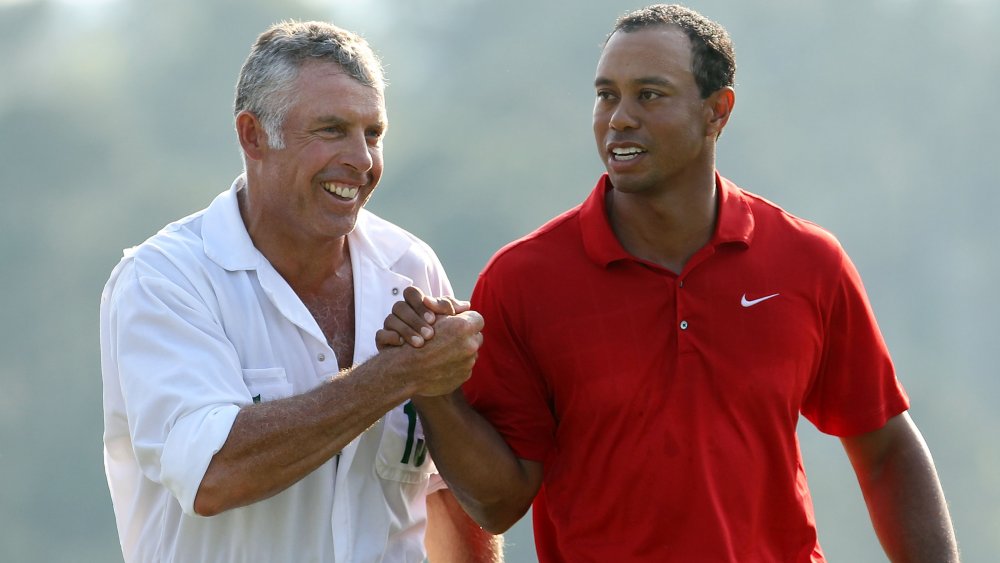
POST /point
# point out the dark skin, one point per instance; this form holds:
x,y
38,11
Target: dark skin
x,y
656,136
495,487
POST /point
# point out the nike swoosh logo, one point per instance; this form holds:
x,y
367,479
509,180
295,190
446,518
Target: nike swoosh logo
x,y
751,302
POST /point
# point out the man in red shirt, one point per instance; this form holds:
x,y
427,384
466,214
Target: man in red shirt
x,y
647,354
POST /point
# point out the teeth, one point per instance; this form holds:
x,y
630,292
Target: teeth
x,y
627,153
346,192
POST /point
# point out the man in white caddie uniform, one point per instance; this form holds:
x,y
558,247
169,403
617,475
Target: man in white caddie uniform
x,y
248,415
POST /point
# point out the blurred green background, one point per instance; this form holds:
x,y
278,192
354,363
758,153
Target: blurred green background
x,y
875,119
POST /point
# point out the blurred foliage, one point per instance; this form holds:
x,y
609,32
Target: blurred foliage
x,y
873,120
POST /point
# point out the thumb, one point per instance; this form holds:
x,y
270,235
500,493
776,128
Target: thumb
x,y
441,305
459,305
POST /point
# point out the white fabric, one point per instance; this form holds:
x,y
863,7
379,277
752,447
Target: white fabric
x,y
195,323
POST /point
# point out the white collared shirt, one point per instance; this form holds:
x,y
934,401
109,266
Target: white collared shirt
x,y
195,324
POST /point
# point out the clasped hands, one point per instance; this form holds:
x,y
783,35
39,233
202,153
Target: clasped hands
x,y
440,336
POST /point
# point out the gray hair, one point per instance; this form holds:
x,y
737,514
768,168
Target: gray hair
x,y
266,84
713,59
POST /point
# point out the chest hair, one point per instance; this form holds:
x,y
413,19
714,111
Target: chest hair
x,y
333,310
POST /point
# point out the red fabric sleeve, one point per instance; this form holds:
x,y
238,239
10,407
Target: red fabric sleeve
x,y
506,386
855,390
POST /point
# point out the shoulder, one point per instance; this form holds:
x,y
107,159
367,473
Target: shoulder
x,y
171,255
779,230
175,247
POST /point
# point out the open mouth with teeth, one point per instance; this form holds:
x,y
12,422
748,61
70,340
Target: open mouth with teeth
x,y
342,191
626,153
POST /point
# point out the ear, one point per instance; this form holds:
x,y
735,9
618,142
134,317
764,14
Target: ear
x,y
251,135
719,106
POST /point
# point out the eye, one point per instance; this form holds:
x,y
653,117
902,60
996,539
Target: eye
x,y
374,135
649,95
605,95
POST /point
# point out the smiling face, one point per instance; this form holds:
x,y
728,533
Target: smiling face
x,y
311,191
652,127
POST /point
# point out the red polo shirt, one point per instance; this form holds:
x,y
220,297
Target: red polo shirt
x,y
664,406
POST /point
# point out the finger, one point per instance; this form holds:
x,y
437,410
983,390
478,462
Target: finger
x,y
455,305
387,339
411,310
439,305
460,306
416,300
474,319
405,322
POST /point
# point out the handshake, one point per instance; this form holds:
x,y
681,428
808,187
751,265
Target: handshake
x,y
437,338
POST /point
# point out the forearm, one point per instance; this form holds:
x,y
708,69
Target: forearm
x,y
905,498
493,485
274,445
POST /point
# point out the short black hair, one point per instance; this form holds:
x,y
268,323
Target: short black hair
x,y
713,60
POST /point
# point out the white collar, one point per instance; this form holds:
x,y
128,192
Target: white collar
x,y
228,243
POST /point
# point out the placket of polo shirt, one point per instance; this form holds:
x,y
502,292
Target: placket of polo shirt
x,y
682,309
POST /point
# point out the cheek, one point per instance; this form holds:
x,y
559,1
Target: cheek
x,y
377,164
600,126
600,121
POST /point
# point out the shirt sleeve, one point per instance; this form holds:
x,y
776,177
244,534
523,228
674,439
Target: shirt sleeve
x,y
180,379
506,386
855,389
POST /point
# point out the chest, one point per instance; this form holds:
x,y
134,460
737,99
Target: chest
x,y
333,310
653,341
308,336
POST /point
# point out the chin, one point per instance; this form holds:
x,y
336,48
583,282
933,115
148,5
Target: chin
x,y
626,184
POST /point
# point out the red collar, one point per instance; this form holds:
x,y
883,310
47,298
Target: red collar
x,y
734,226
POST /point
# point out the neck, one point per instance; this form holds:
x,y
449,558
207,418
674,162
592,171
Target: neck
x,y
668,226
305,264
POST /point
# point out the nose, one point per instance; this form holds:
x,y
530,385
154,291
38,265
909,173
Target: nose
x,y
623,117
357,153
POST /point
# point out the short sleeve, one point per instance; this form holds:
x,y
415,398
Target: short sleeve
x,y
855,390
506,386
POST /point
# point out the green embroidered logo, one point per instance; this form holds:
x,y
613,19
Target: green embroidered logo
x,y
420,451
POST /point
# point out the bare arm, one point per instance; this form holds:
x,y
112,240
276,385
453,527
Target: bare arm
x,y
490,482
493,485
453,537
902,491
273,445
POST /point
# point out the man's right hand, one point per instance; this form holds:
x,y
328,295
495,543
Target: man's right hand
x,y
413,318
443,334
486,477
442,364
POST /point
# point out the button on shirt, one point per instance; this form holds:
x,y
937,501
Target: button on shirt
x,y
195,324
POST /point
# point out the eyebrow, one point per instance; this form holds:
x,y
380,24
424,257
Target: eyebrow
x,y
328,120
643,80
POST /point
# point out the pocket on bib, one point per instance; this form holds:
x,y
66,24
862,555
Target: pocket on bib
x,y
267,384
402,452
